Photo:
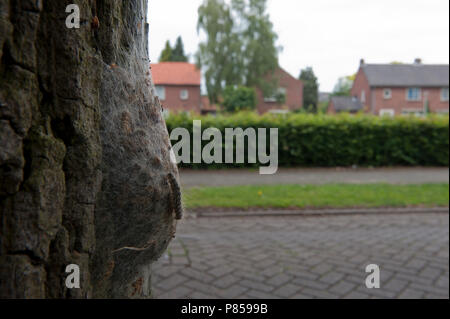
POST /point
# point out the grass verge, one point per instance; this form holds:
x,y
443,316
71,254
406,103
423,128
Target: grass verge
x,y
318,196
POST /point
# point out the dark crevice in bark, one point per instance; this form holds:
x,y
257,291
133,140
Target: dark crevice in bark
x,y
63,129
35,260
28,161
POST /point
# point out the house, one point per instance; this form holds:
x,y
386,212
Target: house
x,y
207,107
177,85
348,104
394,89
289,86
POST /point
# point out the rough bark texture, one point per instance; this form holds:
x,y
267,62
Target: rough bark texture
x,y
84,152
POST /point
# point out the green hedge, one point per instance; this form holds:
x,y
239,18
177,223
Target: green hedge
x,y
343,140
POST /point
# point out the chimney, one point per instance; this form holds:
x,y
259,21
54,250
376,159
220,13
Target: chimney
x,y
362,62
418,61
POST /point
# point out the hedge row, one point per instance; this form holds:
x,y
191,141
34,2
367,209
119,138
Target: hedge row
x,y
344,140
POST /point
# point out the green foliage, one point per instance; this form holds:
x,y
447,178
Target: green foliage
x,y
344,86
175,54
166,54
310,90
341,140
239,99
178,52
323,107
240,47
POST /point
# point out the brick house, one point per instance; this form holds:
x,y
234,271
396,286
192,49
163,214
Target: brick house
x,y
288,85
177,85
395,89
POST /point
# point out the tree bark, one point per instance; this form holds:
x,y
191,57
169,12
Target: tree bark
x,y
85,170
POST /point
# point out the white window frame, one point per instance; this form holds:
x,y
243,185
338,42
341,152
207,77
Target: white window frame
x,y
444,97
363,96
419,97
160,91
387,94
387,112
273,98
279,112
184,95
415,112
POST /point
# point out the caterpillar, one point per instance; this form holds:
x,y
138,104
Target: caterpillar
x,y
175,196
146,247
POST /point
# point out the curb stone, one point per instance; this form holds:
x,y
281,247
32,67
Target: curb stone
x,y
315,212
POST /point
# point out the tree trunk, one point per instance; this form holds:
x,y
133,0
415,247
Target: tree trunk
x,y
85,170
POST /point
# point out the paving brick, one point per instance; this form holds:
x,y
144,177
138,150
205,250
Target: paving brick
x,y
172,282
260,295
179,293
342,288
356,295
395,285
331,278
196,275
411,294
298,257
319,294
322,269
232,292
261,286
286,291
220,271
310,283
279,280
430,272
226,281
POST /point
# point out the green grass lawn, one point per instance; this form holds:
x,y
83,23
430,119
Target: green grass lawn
x,y
318,196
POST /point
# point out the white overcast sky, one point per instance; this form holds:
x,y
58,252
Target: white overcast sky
x,y
329,35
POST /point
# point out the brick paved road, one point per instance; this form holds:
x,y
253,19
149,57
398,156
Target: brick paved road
x,y
306,257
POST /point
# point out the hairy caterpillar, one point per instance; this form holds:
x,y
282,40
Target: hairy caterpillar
x,y
175,196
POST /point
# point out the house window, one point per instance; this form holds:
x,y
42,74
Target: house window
x,y
387,112
184,94
444,95
415,112
279,96
161,92
387,94
363,96
413,94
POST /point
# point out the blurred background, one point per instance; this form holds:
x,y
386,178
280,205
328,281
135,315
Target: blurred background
x,y
359,91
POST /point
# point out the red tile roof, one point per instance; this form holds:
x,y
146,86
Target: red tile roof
x,y
175,73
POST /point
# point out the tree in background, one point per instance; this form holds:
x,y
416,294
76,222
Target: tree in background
x,y
178,51
219,54
240,48
311,90
175,54
166,54
239,98
258,41
344,86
